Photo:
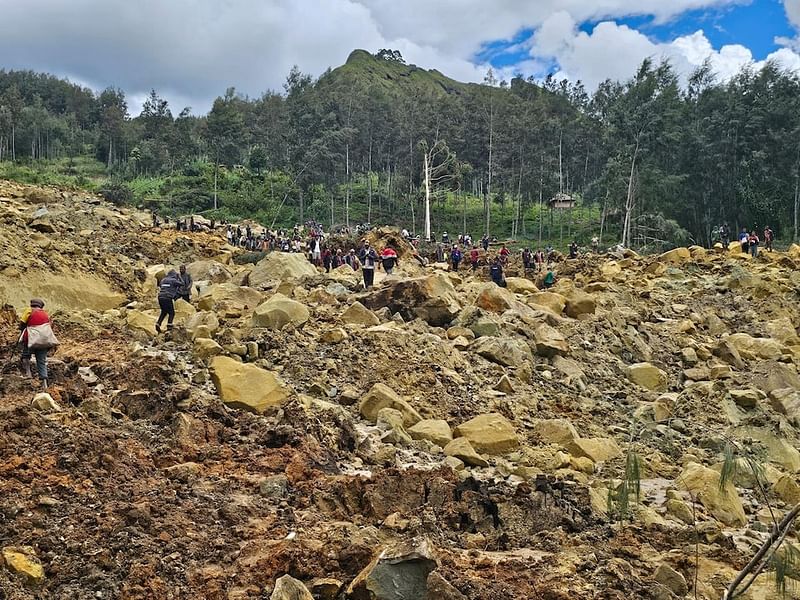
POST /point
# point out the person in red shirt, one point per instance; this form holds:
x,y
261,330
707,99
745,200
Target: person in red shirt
x,y
504,252
33,316
474,258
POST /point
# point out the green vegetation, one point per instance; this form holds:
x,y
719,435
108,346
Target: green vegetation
x,y
648,162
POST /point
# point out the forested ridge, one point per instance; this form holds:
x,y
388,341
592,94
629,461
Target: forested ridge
x,y
652,161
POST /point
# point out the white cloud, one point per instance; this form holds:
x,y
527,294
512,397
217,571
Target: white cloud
x,y
191,50
615,51
793,12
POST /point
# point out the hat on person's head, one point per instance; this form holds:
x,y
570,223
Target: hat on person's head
x,y
37,302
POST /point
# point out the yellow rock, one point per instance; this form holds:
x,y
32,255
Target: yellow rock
x,y
521,285
358,314
461,449
205,348
787,489
723,503
382,396
434,430
495,299
550,300
247,386
22,561
595,449
676,256
489,434
556,431
648,376
279,311
579,303
137,320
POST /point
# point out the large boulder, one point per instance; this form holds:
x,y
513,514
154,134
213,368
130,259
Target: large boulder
x,y
431,298
648,376
433,430
279,311
521,285
461,449
556,431
579,303
209,270
722,502
506,351
382,396
280,266
595,449
358,314
398,572
549,341
202,324
495,299
676,256
550,300
247,386
136,320
490,434
752,347
229,297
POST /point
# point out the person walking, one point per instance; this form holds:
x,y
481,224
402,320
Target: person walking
x,y
185,288
474,258
455,257
168,292
496,272
753,241
36,338
573,249
768,237
389,259
368,259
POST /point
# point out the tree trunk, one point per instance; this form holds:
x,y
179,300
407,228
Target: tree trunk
x,y
541,200
369,181
427,178
603,218
488,202
347,186
796,194
216,168
629,203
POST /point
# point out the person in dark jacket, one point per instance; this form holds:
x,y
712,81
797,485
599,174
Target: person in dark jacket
x,y
496,272
186,282
368,259
168,291
32,317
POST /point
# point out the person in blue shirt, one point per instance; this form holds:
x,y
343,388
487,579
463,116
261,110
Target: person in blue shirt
x,y
496,272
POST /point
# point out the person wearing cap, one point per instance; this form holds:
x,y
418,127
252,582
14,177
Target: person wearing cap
x,y
31,317
368,259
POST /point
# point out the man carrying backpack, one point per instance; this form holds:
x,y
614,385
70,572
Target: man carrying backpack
x,y
36,338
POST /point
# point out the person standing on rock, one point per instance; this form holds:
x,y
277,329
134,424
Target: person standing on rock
x,y
744,240
753,241
768,237
186,282
389,259
725,236
496,272
573,249
455,257
485,242
35,317
474,258
168,292
549,278
368,259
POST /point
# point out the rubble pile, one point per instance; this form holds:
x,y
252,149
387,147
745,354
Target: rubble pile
x,y
434,437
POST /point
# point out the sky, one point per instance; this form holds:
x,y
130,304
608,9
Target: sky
x,y
190,51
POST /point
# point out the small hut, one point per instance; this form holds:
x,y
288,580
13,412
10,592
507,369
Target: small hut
x,y
561,201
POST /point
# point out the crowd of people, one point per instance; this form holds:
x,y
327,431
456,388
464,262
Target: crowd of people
x,y
749,241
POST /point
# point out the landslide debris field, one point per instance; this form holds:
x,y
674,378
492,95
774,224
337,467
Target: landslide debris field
x,y
437,437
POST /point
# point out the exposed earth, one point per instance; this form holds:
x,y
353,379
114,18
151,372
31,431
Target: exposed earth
x,y
437,437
